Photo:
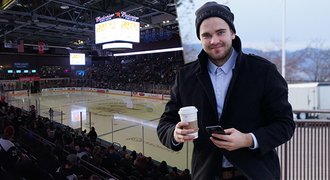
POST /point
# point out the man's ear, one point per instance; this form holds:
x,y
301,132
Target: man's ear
x,y
233,35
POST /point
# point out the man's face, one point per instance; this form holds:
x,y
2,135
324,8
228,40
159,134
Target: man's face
x,y
216,38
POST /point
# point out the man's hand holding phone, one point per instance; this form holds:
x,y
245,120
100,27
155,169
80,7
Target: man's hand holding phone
x,y
229,139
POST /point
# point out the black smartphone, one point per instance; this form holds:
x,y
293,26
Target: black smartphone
x,y
215,129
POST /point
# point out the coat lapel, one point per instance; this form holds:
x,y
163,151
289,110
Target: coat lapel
x,y
231,85
205,81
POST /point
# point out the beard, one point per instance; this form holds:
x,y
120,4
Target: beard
x,y
219,56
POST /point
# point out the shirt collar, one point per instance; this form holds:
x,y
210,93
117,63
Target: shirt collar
x,y
228,66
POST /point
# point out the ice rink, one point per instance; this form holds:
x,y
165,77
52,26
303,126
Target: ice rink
x,y
130,121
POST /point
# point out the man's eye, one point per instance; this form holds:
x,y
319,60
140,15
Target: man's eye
x,y
221,32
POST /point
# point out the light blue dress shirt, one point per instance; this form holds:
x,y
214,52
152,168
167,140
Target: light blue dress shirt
x,y
220,77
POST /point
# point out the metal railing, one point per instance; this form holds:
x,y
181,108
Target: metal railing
x,y
307,154
37,144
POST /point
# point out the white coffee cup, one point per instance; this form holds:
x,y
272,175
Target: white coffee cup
x,y
189,114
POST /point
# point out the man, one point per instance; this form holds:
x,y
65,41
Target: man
x,y
69,168
51,114
92,135
243,93
16,164
8,152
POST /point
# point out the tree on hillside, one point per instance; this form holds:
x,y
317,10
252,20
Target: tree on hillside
x,y
292,67
317,62
309,64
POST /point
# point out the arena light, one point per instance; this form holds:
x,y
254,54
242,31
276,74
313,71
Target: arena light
x,y
64,7
117,46
149,52
6,4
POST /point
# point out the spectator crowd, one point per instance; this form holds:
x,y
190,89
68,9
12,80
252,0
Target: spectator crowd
x,y
133,73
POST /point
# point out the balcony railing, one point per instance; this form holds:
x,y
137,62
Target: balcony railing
x,y
307,154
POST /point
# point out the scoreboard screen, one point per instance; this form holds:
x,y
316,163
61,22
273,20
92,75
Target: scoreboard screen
x,y
77,59
117,29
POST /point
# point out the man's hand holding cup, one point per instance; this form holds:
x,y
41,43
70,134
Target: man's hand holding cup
x,y
187,128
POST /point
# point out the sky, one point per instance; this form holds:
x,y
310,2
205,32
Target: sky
x,y
259,23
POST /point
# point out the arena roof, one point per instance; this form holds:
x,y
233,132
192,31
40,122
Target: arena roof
x,y
70,23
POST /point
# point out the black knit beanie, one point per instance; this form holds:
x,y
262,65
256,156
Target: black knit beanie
x,y
213,9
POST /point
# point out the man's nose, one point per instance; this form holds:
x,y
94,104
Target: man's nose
x,y
214,40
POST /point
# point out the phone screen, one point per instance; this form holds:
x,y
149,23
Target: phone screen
x,y
215,129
